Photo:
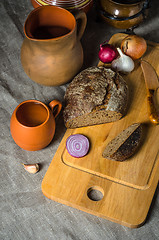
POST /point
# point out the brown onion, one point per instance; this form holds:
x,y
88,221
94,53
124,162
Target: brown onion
x,y
134,46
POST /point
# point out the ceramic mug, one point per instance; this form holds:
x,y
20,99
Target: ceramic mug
x,y
32,124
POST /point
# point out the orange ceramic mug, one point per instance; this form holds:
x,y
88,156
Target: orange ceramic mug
x,y
32,124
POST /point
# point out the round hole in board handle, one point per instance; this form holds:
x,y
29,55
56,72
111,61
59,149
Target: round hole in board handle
x,y
95,193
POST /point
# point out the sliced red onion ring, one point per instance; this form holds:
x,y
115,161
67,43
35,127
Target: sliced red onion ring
x,y
77,145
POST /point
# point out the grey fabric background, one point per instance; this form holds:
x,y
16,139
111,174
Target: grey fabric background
x,y
24,212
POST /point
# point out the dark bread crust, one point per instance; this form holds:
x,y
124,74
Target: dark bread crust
x,y
95,91
127,142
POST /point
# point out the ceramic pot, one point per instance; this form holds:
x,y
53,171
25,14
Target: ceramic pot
x,y
123,14
70,5
51,53
32,124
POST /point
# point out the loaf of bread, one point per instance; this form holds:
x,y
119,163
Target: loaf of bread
x,y
125,144
97,95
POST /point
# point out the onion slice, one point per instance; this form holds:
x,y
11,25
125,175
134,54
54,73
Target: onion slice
x,y
77,145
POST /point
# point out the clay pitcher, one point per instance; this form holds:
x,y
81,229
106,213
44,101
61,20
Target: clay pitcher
x,y
51,53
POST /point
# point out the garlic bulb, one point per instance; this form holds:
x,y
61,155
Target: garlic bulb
x,y
31,168
123,63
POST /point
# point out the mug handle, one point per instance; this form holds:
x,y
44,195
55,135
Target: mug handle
x,y
56,107
81,20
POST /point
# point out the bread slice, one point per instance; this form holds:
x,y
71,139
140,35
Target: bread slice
x,y
97,95
125,144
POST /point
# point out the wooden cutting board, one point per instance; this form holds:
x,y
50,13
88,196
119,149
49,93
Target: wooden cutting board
x,y
127,188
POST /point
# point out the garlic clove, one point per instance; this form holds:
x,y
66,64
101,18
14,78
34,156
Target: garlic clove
x,y
31,168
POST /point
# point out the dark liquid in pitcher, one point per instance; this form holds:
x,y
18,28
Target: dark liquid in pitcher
x,y
48,32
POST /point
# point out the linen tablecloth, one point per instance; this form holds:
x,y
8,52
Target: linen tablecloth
x,y
25,213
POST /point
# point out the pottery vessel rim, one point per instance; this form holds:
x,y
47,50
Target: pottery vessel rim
x,y
127,4
54,38
36,102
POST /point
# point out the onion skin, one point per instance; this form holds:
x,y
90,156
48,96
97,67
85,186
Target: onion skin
x,y
134,46
107,53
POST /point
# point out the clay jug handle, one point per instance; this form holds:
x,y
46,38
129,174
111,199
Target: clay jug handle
x,y
56,107
81,20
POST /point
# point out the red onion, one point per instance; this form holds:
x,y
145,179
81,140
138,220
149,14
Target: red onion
x,y
107,53
77,145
